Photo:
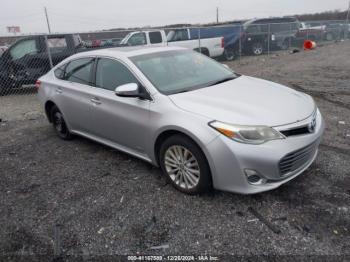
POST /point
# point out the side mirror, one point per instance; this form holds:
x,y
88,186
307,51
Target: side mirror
x,y
131,90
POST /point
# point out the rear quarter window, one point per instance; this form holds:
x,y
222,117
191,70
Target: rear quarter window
x,y
155,37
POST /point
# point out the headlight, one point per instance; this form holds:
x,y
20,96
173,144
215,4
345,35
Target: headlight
x,y
247,134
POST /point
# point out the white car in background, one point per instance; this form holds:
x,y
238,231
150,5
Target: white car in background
x,y
212,47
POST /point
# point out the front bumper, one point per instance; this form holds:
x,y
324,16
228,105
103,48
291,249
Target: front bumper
x,y
228,160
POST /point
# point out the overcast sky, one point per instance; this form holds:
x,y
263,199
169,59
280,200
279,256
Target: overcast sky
x,y
88,15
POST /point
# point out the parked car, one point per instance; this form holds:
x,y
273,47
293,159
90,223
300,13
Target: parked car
x,y
231,34
213,47
336,31
28,59
203,124
270,33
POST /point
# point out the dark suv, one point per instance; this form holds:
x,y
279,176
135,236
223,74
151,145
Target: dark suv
x,y
270,33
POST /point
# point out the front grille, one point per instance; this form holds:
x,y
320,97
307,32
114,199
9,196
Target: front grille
x,y
297,159
296,131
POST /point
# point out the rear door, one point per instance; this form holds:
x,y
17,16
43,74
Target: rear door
x,y
73,93
121,120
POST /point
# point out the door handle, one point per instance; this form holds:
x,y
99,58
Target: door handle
x,y
58,90
95,101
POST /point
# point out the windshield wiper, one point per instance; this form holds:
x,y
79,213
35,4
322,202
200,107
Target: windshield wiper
x,y
226,79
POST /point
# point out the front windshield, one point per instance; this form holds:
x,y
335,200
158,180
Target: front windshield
x,y
181,70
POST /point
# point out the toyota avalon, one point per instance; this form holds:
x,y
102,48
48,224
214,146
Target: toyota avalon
x,y
203,124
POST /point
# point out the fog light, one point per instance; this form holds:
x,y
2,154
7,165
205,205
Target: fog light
x,y
254,177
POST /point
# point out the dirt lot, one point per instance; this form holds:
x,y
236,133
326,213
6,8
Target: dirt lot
x,y
82,198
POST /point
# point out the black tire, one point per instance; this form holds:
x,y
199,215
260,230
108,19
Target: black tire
x,y
285,44
203,51
59,124
229,54
203,182
6,86
257,48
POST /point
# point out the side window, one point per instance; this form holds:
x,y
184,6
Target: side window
x,y
253,29
110,74
79,71
155,37
181,35
57,44
264,28
137,39
24,48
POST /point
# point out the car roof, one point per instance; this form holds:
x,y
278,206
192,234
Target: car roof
x,y
288,19
127,51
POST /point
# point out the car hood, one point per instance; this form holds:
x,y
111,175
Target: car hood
x,y
247,101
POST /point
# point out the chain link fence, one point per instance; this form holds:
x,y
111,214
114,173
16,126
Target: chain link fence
x,y
25,58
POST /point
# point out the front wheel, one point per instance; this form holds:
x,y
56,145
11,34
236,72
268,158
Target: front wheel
x,y
185,165
257,48
59,124
286,44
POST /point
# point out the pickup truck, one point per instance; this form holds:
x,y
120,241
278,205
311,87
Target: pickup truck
x,y
231,34
213,47
313,33
269,33
28,58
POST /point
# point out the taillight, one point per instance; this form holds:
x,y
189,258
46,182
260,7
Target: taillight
x,y
37,84
223,42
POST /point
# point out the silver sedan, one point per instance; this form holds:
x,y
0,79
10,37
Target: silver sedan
x,y
204,125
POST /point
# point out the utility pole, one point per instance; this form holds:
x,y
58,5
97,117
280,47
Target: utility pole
x,y
217,15
347,16
47,20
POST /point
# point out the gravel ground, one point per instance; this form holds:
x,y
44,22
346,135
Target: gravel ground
x,y
63,198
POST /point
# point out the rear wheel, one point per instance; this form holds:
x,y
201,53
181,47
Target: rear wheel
x,y
257,48
59,124
185,165
285,44
229,54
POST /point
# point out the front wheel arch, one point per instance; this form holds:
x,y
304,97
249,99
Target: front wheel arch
x,y
171,138
168,133
48,106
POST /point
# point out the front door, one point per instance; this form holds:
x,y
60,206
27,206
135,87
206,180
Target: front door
x,y
121,120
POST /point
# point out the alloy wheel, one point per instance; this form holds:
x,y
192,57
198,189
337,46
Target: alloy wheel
x,y
182,167
257,49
